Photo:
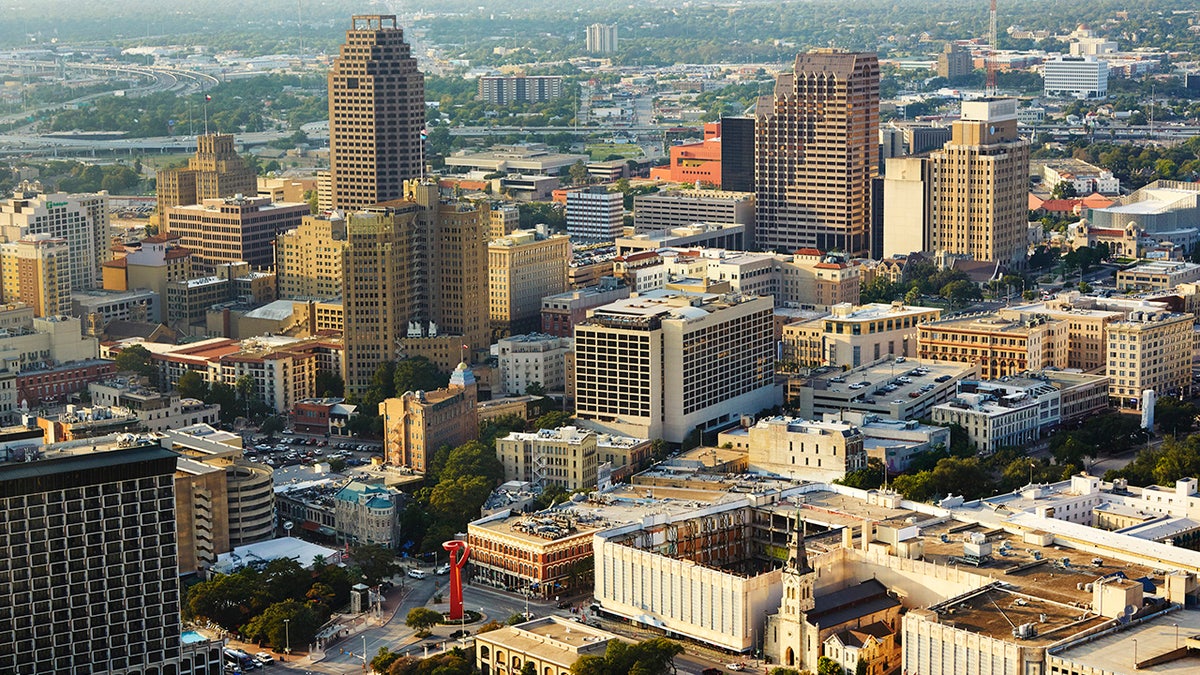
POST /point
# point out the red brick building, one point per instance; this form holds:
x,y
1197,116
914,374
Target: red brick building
x,y
57,383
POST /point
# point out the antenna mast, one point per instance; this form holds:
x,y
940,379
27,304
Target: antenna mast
x,y
990,63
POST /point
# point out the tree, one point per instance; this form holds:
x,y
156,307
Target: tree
x,y
655,656
272,425
472,460
552,420
284,621
455,502
536,388
827,666
329,383
375,562
384,660
1177,460
136,359
530,668
1175,416
961,292
192,385
867,478
552,494
417,374
862,667
578,173
422,618
1064,190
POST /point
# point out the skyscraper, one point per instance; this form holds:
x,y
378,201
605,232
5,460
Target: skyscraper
x,y
980,185
737,154
376,114
815,153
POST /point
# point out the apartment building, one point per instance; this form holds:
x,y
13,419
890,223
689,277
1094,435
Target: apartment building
x,y
417,423
665,364
506,89
533,358
1000,344
308,259
601,38
233,229
523,268
376,115
154,410
826,107
1159,275
152,264
1149,350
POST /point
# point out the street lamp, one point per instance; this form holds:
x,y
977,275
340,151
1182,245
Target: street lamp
x,y
287,632
1176,635
1135,661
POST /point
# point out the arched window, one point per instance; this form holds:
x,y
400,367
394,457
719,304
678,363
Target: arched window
x,y
484,651
789,658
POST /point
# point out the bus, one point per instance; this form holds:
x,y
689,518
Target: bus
x,y
237,658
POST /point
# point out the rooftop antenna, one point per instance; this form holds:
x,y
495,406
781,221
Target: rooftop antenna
x,y
990,64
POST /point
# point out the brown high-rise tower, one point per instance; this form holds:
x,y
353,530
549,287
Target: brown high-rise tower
x,y
376,114
815,153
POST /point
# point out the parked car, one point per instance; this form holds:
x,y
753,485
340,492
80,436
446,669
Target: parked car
x,y
265,658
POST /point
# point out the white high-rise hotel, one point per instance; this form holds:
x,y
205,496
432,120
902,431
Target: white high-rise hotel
x,y
664,363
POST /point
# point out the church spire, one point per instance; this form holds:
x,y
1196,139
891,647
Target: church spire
x,y
799,558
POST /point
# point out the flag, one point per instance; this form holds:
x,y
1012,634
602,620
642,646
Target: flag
x,y
466,347
207,98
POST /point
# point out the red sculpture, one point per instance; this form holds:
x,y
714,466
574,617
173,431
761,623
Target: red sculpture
x,y
457,562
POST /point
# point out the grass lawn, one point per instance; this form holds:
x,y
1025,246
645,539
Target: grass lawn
x,y
599,151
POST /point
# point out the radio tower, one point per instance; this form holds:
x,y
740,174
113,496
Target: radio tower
x,y
990,63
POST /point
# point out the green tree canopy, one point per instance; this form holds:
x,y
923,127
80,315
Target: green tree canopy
x,y
375,562
136,359
422,618
192,385
417,374
284,621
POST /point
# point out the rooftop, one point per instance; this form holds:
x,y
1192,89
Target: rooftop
x,y
1111,652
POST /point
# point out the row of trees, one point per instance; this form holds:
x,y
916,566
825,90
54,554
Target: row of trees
x,y
924,278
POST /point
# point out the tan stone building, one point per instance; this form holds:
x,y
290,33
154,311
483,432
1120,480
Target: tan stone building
x,y
816,152
523,268
215,171
853,335
980,185
1149,350
814,279
417,423
565,457
552,644
376,114
308,259
503,220
1001,344
232,229
1086,326
802,449
202,514
153,263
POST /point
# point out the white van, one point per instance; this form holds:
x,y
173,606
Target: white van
x,y
417,574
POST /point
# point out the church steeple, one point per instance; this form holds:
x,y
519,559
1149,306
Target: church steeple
x,y
798,561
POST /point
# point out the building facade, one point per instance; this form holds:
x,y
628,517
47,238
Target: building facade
x,y
505,89
816,153
1084,77
663,364
1149,350
594,214
662,211
79,219
1001,345
416,424
308,259
565,457
36,270
532,359
91,579
601,38
523,268
376,114
561,313
233,229
801,449
981,185
216,171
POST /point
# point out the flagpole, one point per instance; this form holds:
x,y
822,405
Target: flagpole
x,y
206,98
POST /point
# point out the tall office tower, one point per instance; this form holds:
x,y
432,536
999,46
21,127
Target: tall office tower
x,y
737,154
594,214
216,170
980,185
377,286
308,259
376,114
37,271
88,577
602,38
815,151
457,264
663,364
80,219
